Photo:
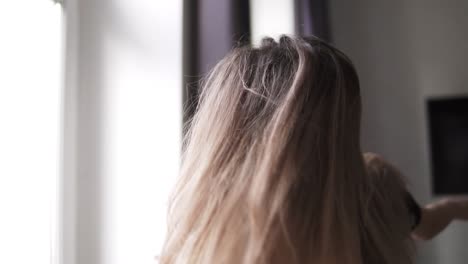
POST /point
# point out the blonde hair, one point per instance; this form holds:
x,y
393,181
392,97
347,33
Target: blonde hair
x,y
272,170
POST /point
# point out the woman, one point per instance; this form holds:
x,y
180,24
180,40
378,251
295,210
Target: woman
x,y
272,170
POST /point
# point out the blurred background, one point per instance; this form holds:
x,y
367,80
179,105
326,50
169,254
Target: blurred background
x,y
93,95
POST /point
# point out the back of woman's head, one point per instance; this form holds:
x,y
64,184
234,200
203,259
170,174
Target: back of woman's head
x,y
272,170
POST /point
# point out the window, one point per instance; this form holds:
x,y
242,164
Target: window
x,y
30,95
122,128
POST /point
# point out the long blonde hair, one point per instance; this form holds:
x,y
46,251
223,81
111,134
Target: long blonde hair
x,y
272,170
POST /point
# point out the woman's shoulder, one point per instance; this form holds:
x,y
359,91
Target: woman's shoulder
x,y
378,166
386,175
374,159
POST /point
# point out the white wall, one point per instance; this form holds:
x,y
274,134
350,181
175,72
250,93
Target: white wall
x,y
122,128
406,51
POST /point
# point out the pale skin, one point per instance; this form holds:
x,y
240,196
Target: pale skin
x,y
435,216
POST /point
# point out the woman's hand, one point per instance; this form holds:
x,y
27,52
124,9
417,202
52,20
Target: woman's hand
x,y
459,205
436,216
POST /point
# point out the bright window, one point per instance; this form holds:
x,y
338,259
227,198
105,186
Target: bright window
x,y
30,95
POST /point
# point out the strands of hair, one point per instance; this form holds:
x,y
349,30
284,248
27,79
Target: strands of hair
x,y
272,170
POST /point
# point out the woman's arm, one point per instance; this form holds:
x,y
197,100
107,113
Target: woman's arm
x,y
436,216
